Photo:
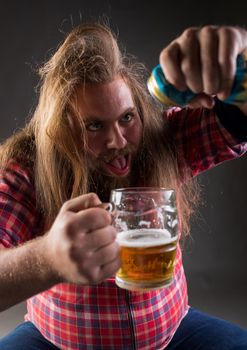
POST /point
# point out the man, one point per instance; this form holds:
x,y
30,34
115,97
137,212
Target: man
x,y
96,128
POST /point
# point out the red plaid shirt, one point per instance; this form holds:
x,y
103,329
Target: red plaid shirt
x,y
105,316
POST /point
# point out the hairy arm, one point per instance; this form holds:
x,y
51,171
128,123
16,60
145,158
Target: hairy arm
x,y
79,247
25,271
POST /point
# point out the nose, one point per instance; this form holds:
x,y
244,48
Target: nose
x,y
116,138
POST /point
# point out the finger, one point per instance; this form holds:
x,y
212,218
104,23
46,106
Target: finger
x,y
106,254
209,59
93,241
110,269
103,237
170,64
81,202
101,264
101,273
190,62
202,100
228,50
85,221
92,219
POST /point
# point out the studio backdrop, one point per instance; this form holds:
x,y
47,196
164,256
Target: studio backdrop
x,y
215,252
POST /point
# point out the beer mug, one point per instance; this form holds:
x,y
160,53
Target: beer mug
x,y
147,224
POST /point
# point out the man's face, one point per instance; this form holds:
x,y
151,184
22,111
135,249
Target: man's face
x,y
113,126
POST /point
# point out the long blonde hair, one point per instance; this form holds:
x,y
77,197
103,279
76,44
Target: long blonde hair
x,y
47,144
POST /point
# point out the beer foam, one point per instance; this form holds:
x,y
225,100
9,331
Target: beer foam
x,y
144,238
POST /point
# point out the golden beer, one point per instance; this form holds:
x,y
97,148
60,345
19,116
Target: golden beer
x,y
147,258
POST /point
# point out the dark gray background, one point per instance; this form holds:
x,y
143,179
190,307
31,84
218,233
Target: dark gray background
x,y
215,254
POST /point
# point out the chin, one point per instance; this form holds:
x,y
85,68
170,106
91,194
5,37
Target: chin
x,y
103,182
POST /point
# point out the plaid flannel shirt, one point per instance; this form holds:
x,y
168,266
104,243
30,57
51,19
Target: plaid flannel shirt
x,y
105,316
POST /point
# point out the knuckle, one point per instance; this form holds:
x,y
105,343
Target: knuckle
x,y
190,33
66,205
167,53
187,66
93,197
208,30
99,217
190,64
90,199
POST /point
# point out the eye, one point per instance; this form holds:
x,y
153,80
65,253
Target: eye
x,y
127,118
94,126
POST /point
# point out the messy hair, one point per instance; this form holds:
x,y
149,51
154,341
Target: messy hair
x,y
48,145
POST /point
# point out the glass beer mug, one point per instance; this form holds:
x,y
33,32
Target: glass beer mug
x,y
147,225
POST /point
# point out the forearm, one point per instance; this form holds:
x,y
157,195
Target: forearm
x,y
80,248
24,272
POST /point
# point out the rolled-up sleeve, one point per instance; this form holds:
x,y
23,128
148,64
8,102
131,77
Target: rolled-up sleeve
x,y
201,140
19,220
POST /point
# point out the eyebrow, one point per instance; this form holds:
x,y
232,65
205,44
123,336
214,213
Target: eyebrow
x,y
97,118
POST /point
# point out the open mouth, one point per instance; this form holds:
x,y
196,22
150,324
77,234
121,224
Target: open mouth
x,y
119,165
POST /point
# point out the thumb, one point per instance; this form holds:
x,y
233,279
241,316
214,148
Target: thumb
x,y
202,100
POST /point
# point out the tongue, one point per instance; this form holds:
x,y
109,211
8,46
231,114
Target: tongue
x,y
119,163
